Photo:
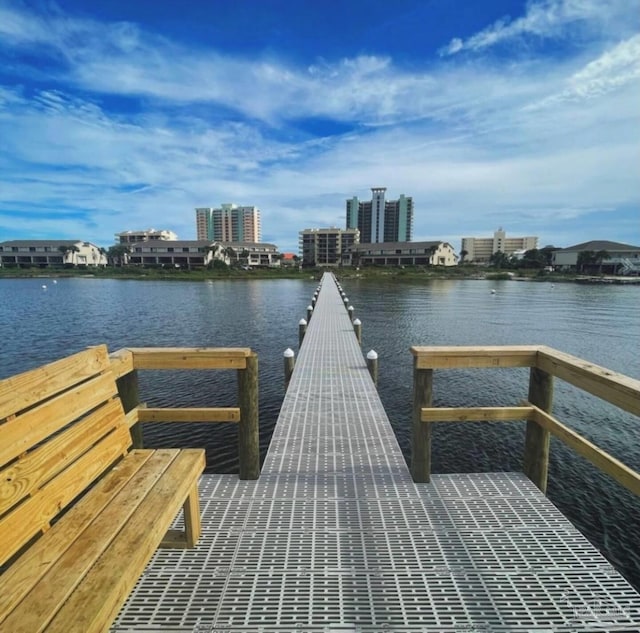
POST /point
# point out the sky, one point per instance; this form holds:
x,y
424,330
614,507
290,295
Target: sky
x,y
120,116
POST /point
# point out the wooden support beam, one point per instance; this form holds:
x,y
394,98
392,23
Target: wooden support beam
x,y
475,414
189,414
618,389
190,357
249,427
129,393
536,444
464,357
421,432
599,458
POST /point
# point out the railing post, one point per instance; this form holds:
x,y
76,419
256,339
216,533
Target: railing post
x,y
421,431
536,445
248,428
130,397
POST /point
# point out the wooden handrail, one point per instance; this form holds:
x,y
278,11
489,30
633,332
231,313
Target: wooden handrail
x,y
545,363
126,362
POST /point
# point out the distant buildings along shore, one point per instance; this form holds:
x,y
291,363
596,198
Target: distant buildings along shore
x,y
228,223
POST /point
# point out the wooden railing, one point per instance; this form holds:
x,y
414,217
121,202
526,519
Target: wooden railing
x,y
125,364
545,363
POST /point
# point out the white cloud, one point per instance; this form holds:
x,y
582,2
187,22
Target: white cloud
x,y
551,19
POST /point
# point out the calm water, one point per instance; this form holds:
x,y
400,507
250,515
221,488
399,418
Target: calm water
x,y
598,323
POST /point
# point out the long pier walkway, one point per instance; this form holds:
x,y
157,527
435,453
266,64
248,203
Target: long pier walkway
x,y
335,536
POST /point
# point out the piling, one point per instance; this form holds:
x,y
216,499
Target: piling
x,y
302,329
309,312
357,328
421,431
351,310
289,363
372,365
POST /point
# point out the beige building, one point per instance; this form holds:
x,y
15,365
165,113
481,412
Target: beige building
x,y
132,237
480,249
327,246
46,253
623,259
434,253
252,254
177,253
229,223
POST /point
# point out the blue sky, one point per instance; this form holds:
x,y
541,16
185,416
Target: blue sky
x,y
128,115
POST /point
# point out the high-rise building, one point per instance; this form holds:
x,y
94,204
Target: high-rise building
x,y
326,247
228,223
480,249
381,220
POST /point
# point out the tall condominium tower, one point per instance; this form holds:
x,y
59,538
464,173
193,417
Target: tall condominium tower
x,y
381,220
228,223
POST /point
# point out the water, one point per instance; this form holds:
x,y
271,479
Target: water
x,y
597,323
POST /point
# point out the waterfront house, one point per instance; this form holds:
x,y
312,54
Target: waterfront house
x,y
623,259
51,253
434,253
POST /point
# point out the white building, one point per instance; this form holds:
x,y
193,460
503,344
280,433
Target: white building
x,y
623,259
132,237
434,253
252,254
327,246
49,253
480,249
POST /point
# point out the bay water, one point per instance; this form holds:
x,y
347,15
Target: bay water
x,y
44,319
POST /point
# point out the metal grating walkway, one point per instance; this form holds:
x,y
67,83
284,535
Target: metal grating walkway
x,y
335,536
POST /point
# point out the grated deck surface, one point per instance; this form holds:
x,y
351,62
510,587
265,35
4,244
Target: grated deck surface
x,y
336,537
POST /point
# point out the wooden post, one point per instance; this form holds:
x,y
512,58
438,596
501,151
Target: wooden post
x,y
536,445
346,302
372,365
421,431
351,310
289,363
302,330
130,397
357,328
309,313
248,428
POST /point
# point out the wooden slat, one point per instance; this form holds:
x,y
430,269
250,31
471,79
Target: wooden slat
x,y
601,459
190,357
96,602
23,432
611,386
462,357
53,588
26,389
31,471
17,527
121,362
190,414
16,582
474,414
132,417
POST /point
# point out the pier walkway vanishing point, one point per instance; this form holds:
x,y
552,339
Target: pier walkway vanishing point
x,y
335,536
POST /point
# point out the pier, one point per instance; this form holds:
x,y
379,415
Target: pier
x,y
336,536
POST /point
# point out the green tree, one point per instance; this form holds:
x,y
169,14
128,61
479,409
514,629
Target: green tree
x,y
118,254
463,255
585,260
500,260
600,257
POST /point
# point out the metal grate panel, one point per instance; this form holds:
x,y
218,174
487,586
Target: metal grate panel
x,y
336,537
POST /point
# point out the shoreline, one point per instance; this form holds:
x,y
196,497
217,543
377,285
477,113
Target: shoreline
x,y
366,274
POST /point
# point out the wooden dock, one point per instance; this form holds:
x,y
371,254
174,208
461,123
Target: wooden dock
x,y
336,536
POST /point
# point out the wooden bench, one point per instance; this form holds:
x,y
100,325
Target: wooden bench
x,y
80,513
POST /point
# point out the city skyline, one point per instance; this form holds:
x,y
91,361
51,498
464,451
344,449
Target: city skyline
x,y
117,116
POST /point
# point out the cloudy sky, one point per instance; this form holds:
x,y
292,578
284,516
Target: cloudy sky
x,y
128,115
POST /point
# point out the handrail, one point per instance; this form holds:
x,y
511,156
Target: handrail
x,y
545,364
126,362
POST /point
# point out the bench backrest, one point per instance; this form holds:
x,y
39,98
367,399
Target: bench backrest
x,y
61,426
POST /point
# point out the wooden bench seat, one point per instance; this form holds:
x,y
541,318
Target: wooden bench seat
x,y
80,513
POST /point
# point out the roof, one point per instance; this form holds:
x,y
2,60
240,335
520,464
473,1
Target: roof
x,y
171,243
396,245
601,245
248,245
51,243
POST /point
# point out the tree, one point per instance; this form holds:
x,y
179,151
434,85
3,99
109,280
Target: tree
x,y
534,258
585,259
118,253
463,254
500,260
65,250
600,256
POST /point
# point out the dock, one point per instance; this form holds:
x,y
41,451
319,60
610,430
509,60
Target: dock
x,y
335,536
